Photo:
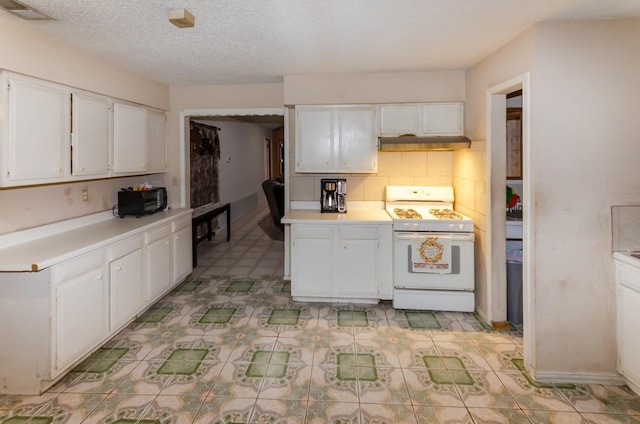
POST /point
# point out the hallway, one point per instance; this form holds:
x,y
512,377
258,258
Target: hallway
x,y
229,346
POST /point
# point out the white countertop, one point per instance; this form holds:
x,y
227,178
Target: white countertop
x,y
354,216
40,253
625,257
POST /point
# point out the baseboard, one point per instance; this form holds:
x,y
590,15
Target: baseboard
x,y
605,378
501,325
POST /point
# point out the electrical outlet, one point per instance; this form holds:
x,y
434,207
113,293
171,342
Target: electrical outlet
x,y
85,195
175,181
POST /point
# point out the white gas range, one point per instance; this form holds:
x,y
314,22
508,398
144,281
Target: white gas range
x,y
433,250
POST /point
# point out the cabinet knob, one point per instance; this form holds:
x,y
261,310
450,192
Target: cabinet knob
x,y
99,277
118,268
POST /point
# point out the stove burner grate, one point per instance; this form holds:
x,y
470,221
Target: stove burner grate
x,y
445,214
407,213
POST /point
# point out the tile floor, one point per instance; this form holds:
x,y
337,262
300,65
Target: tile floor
x,y
229,346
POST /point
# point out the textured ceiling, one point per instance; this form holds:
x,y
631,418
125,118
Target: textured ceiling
x,y
259,41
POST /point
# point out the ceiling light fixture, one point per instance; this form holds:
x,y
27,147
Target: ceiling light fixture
x,y
181,18
22,10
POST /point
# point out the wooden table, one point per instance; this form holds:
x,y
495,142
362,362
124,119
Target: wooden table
x,y
206,213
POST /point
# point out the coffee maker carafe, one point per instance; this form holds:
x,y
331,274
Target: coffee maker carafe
x,y
332,195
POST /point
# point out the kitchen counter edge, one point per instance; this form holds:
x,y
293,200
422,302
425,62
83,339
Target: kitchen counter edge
x,y
355,216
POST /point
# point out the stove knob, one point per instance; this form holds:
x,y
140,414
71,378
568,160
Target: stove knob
x,y
452,226
407,225
415,226
460,226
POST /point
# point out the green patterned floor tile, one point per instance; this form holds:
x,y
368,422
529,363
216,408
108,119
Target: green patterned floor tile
x,y
261,356
154,315
28,420
347,373
352,319
189,286
217,316
367,374
130,421
422,320
456,373
240,286
276,371
280,357
286,288
268,364
284,316
257,369
183,361
101,360
352,366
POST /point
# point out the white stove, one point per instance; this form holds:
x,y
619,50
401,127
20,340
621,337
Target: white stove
x,y
433,250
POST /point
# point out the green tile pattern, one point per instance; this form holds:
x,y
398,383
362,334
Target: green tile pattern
x,y
154,314
286,287
29,420
240,286
130,421
183,361
189,286
447,370
352,366
102,360
422,320
348,318
268,364
217,315
284,317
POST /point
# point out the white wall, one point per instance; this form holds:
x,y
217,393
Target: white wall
x,y
25,51
586,145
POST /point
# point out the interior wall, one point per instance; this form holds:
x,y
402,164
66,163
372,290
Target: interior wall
x,y
401,87
586,144
471,168
248,96
25,51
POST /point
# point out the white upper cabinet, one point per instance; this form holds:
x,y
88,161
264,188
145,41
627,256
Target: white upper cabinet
x,y
51,133
90,135
35,134
139,144
156,141
129,138
421,119
335,139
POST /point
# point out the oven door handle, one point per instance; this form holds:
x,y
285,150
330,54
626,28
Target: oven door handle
x,y
423,235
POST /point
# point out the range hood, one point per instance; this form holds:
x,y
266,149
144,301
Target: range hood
x,y
413,143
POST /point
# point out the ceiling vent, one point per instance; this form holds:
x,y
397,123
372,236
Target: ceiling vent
x,y
25,12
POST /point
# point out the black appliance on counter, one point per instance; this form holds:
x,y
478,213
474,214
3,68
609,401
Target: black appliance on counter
x,y
332,195
141,202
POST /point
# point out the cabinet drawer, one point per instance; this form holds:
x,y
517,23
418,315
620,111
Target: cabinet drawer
x,y
628,276
312,231
358,233
125,246
158,233
77,266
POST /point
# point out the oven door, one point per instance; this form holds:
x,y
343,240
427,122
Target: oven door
x,y
458,261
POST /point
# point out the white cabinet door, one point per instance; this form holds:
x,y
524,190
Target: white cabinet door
x,y
129,139
357,139
91,135
399,119
126,288
156,142
36,145
158,252
312,261
182,259
628,316
81,313
442,119
356,262
315,134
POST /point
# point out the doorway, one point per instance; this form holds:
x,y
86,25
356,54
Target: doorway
x,y
497,234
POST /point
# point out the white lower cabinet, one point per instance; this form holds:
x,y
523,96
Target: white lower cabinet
x,y
59,315
158,256
81,308
126,284
628,297
340,261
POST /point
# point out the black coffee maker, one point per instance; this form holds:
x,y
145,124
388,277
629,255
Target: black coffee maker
x,y
332,195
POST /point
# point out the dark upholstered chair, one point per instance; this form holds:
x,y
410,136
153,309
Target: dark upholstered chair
x,y
274,192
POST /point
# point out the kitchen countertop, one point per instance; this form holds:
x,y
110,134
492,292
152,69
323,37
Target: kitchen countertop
x,y
627,258
36,254
354,216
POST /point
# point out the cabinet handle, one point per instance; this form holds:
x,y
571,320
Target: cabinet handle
x,y
99,277
166,242
118,268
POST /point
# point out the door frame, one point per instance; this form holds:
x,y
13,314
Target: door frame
x,y
496,175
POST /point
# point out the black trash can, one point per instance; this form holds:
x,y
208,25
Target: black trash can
x,y
514,286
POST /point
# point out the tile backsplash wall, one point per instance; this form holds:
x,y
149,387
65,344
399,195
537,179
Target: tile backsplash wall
x,y
394,168
625,228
